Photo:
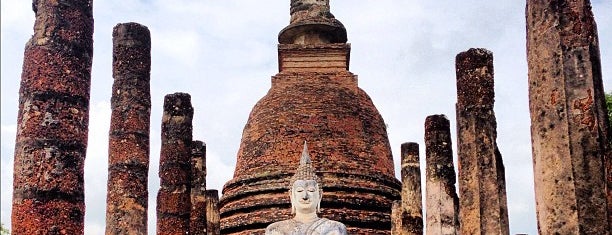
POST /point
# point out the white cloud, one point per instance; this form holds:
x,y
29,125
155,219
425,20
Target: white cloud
x,y
96,167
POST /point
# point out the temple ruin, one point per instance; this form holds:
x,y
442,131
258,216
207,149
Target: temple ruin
x,y
197,220
53,119
442,202
174,196
128,151
323,105
482,181
569,128
314,97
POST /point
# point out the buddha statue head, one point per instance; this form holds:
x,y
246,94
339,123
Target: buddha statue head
x,y
305,191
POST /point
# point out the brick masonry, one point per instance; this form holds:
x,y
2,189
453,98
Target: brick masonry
x,y
482,183
314,98
52,121
569,128
348,144
128,160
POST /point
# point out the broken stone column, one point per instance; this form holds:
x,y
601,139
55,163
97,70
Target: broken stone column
x,y
128,159
52,120
569,130
441,201
412,205
212,213
482,183
198,188
174,196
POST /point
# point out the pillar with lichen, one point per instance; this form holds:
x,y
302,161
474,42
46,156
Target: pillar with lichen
x,y
441,201
174,196
396,218
213,216
53,119
482,184
197,224
569,127
128,158
412,205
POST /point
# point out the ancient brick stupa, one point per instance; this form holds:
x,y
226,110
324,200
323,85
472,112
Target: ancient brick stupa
x,y
313,98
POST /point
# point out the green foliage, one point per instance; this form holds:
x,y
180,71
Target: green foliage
x,y
3,230
609,105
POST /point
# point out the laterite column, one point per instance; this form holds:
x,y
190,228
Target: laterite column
x,y
174,196
52,122
482,184
396,218
212,212
198,188
441,196
128,158
570,132
412,203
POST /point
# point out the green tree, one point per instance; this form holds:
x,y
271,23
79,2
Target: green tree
x,y
4,231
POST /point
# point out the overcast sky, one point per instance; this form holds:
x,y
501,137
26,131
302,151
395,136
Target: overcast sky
x,y
223,53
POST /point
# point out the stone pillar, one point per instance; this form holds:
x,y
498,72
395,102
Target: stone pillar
x,y
396,218
128,152
482,183
569,129
198,188
442,202
52,120
174,196
412,205
212,213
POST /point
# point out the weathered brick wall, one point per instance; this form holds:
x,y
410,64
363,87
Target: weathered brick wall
x,y
53,119
348,144
569,128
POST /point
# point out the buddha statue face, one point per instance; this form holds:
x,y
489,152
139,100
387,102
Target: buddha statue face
x,y
305,197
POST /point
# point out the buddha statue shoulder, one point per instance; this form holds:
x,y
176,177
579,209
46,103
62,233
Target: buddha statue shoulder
x,y
305,194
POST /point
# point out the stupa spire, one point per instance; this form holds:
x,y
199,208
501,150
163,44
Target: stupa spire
x,y
312,23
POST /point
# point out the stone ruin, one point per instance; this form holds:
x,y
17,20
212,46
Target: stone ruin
x,y
325,106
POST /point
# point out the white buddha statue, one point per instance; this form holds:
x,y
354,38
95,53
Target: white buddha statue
x,y
305,196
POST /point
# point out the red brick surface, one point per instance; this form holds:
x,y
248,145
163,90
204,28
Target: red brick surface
x,y
347,142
